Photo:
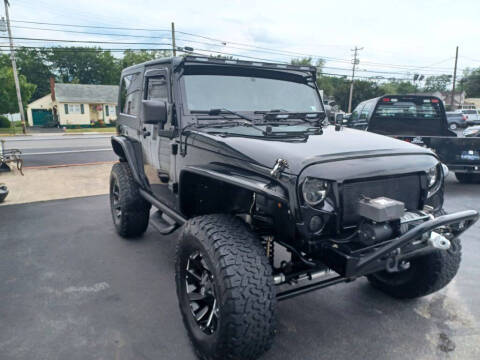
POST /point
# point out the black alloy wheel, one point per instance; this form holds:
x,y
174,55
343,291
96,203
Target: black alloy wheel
x,y
200,292
116,205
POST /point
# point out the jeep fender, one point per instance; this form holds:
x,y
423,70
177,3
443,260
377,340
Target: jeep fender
x,y
131,151
221,182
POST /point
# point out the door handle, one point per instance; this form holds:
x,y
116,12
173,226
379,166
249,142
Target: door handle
x,y
146,133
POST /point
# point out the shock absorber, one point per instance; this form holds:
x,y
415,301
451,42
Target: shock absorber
x,y
267,242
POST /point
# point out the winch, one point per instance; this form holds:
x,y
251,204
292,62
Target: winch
x,y
384,218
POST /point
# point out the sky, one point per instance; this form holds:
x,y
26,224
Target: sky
x,y
399,38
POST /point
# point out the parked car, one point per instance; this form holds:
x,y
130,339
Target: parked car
x,y
456,119
472,131
473,116
203,140
422,120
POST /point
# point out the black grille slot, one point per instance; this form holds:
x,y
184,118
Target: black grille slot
x,y
403,188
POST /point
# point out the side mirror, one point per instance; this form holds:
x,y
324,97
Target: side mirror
x,y
154,111
338,118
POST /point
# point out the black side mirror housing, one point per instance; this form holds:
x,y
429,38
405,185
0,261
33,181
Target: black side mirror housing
x,y
154,112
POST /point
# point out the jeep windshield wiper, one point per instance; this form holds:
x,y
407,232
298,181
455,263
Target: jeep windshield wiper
x,y
249,122
284,115
215,112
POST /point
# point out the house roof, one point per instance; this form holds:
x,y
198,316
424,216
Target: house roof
x,y
80,93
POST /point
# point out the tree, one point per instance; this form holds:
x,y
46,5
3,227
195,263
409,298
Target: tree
x,y
85,65
5,60
437,83
471,82
8,95
398,87
132,57
33,64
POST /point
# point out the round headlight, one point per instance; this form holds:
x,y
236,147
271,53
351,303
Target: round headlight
x,y
432,176
314,191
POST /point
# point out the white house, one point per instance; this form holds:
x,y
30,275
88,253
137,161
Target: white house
x,y
74,104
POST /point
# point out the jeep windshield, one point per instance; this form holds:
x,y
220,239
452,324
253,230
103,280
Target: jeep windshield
x,y
249,94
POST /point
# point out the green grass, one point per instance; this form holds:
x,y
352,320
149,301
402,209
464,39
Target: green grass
x,y
110,129
14,130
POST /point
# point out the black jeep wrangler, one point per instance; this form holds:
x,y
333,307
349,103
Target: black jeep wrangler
x,y
271,200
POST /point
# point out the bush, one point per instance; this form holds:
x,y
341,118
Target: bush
x,y
98,124
4,122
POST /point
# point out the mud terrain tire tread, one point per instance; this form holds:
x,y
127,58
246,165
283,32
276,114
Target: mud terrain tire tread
x,y
244,277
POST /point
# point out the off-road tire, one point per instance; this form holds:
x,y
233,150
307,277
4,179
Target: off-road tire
x,y
243,283
426,275
135,211
466,178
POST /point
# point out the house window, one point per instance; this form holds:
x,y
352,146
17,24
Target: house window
x,y
107,108
73,109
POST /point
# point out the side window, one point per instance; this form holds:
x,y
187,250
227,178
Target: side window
x,y
129,94
156,88
365,111
357,111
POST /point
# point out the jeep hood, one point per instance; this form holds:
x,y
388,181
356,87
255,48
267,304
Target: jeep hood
x,y
299,152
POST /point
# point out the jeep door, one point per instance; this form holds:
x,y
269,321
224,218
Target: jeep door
x,y
130,101
158,137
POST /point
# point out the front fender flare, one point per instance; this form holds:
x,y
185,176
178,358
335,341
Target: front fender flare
x,y
237,177
131,151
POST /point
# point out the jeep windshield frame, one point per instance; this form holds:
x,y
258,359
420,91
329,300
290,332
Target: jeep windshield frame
x,y
299,77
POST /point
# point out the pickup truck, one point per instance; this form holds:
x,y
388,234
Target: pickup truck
x,y
421,120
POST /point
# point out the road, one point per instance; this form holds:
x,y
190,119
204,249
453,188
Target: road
x,y
62,149
70,288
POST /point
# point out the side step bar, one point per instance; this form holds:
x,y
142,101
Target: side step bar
x,y
163,223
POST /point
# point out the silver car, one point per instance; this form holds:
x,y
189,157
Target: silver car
x,y
473,116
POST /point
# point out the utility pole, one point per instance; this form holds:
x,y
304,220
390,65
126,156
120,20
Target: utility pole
x,y
454,79
14,67
173,40
355,62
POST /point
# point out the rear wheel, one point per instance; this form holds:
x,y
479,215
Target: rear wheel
x,y
466,178
225,289
130,212
426,275
453,126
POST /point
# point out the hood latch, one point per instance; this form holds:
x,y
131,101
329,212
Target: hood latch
x,y
279,166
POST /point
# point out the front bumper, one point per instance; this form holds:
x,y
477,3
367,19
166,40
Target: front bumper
x,y
464,168
351,264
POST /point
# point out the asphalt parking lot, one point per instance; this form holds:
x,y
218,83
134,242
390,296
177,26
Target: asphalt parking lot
x,y
70,288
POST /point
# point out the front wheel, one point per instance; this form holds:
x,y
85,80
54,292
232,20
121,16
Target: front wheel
x,y
453,126
426,274
225,289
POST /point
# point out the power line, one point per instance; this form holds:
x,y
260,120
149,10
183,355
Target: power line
x,y
225,42
167,44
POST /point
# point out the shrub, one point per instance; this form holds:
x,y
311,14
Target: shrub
x,y
4,122
99,123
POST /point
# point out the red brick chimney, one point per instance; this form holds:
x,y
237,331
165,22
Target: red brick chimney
x,y
52,87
